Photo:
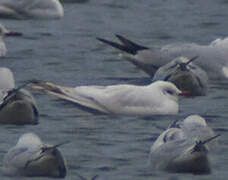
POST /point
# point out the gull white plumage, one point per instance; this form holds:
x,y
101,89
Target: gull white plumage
x,y
31,157
184,147
17,105
212,57
159,97
23,9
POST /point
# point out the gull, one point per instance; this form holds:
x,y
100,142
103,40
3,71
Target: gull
x,y
17,105
184,147
31,157
5,32
212,57
23,9
159,97
185,75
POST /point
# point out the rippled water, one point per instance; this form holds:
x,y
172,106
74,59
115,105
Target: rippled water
x,y
66,52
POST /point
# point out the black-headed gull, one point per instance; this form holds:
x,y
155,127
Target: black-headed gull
x,y
185,75
159,97
17,106
212,57
42,9
31,157
184,147
5,32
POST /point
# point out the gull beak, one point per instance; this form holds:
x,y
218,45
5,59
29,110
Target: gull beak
x,y
185,93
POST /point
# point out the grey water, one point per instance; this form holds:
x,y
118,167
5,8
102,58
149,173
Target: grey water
x,y
67,53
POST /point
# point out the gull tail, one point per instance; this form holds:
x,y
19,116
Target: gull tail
x,y
46,86
124,45
183,66
199,146
66,93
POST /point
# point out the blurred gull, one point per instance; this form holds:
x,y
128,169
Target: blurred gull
x,y
17,106
5,32
184,147
212,58
185,75
159,97
21,9
31,157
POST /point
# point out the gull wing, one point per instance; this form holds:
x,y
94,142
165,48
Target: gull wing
x,y
69,94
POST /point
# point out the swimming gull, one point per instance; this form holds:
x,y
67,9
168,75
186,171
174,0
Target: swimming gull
x,y
212,57
17,105
159,97
184,147
23,9
31,157
185,75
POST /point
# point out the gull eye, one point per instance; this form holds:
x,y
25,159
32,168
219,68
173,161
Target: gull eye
x,y
170,92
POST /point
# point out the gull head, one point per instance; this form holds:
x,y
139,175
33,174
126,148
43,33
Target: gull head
x,y
168,89
31,157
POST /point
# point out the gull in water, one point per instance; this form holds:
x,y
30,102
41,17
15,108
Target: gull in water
x,y
184,147
159,97
185,75
212,57
5,32
31,157
23,9
17,105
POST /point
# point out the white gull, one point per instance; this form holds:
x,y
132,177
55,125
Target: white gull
x,y
17,105
21,9
159,97
212,57
31,157
184,147
185,75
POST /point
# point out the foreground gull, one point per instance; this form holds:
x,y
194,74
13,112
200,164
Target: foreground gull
x,y
159,97
5,32
22,9
212,57
31,157
185,75
17,106
184,147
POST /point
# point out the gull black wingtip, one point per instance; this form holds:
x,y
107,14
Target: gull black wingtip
x,y
192,59
130,44
121,47
183,66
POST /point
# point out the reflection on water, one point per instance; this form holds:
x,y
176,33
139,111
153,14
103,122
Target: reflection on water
x,y
66,52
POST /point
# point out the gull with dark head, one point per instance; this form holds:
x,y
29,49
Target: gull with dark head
x,y
184,147
212,57
17,105
23,9
159,97
31,157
